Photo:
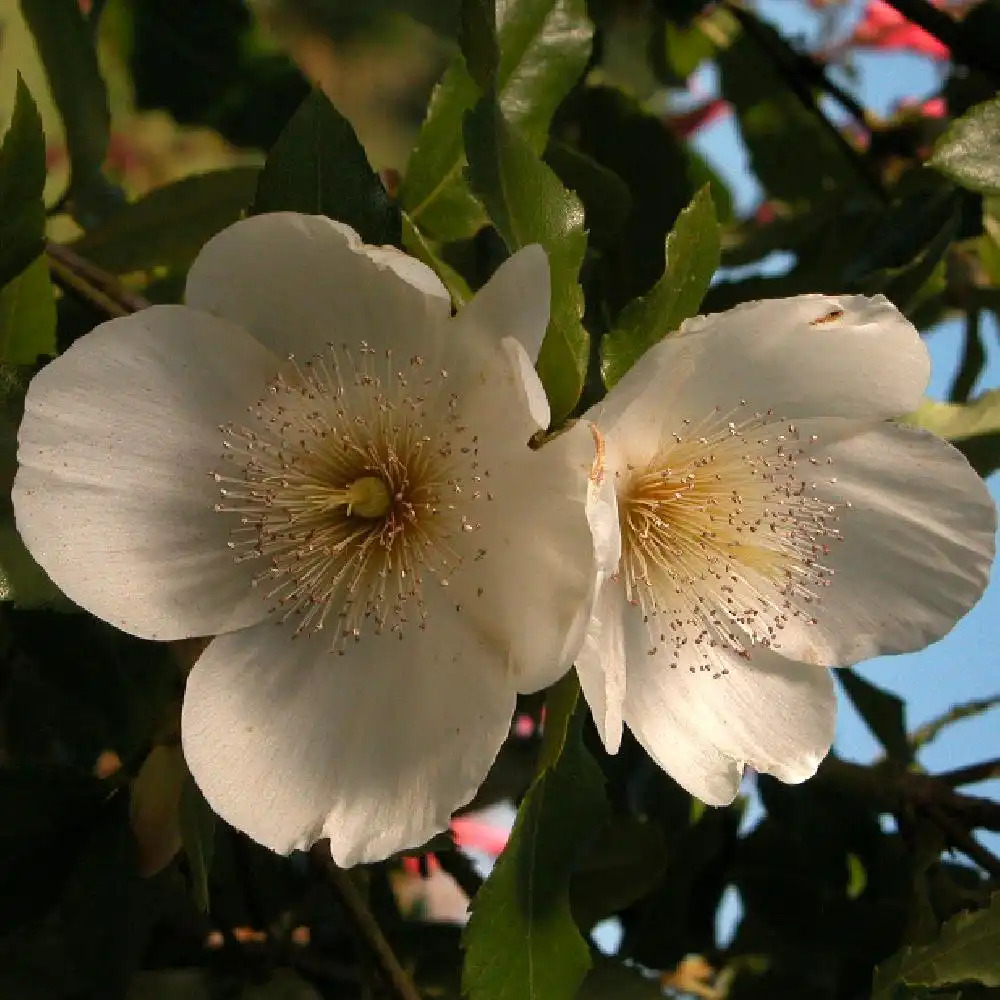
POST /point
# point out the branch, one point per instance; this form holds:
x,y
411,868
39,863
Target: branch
x,y
91,283
970,775
365,923
461,869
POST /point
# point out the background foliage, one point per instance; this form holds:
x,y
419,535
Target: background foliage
x,y
136,129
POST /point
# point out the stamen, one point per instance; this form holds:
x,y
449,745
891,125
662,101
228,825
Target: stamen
x,y
723,542
351,490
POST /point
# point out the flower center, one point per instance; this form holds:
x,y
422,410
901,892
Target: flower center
x,y
355,484
722,538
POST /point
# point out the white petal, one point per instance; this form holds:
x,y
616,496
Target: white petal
x,y
813,355
535,580
298,282
513,303
600,665
918,542
114,496
291,742
703,726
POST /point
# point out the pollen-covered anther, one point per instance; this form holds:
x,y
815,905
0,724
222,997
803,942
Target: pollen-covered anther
x,y
722,540
350,490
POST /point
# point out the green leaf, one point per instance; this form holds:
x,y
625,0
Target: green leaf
x,y
318,167
168,226
973,427
28,316
544,46
65,44
415,243
198,840
692,255
22,178
610,980
883,713
527,204
931,729
966,950
969,152
521,942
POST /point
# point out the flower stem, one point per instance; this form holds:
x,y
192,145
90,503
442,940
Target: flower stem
x,y
353,902
91,283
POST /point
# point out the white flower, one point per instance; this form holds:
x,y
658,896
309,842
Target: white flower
x,y
383,559
773,523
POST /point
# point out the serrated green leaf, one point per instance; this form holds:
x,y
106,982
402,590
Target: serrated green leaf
x,y
527,204
521,942
318,167
28,316
168,226
969,152
198,840
883,712
973,427
966,950
65,43
544,46
22,179
691,257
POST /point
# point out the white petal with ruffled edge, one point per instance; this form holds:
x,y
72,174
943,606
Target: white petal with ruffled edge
x,y
813,355
299,282
702,725
916,539
114,496
375,748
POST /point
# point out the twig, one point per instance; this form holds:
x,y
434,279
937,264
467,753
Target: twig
x,y
92,283
353,902
803,92
961,839
970,775
973,359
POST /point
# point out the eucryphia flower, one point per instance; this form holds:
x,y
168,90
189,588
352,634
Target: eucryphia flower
x,y
383,559
773,523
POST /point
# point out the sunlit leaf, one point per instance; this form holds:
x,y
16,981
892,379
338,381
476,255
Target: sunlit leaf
x,y
967,950
543,48
28,316
973,427
521,942
318,167
969,152
692,255
527,204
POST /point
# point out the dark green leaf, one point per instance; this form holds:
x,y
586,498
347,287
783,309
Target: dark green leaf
x,y
883,713
967,950
168,226
28,316
610,980
415,243
198,839
969,152
973,427
544,46
22,178
692,255
521,942
477,37
527,204
318,167
65,43
605,196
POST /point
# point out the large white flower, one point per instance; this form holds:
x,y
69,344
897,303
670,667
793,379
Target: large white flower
x,y
773,523
314,462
